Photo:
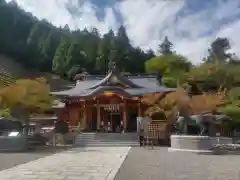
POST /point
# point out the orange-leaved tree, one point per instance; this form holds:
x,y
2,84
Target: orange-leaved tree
x,y
26,97
186,105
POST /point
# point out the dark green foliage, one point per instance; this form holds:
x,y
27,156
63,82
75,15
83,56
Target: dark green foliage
x,y
158,115
233,96
217,52
73,71
169,82
39,45
166,47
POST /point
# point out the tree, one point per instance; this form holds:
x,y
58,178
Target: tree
x,y
41,46
104,50
150,54
74,71
122,36
169,65
122,46
26,97
61,59
169,82
169,103
166,47
220,75
217,52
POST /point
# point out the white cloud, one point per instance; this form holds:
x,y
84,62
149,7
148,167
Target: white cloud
x,y
82,14
147,22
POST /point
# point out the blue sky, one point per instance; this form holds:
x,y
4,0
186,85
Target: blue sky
x,y
190,24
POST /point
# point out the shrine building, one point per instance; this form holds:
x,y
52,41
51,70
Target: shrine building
x,y
114,99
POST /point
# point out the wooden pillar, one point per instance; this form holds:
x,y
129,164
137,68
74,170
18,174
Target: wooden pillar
x,y
124,115
89,117
139,109
84,117
222,130
98,116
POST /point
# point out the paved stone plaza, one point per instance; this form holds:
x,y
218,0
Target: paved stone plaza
x,y
8,160
100,163
103,163
159,164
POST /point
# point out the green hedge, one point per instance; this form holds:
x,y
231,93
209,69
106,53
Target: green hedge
x,y
234,113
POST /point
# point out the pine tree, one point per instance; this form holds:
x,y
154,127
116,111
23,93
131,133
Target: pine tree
x,y
122,46
46,46
40,45
122,36
104,52
59,60
33,35
165,47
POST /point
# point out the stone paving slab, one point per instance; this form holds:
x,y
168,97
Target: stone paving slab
x,y
11,159
95,163
159,164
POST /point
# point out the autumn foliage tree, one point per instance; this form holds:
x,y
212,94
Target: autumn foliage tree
x,y
186,105
26,97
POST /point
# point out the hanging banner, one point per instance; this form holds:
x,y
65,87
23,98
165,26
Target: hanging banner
x,y
112,108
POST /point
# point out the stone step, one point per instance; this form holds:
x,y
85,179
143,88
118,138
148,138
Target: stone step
x,y
104,141
117,140
96,137
107,136
107,139
107,145
114,142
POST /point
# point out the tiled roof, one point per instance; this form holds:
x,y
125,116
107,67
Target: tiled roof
x,y
128,86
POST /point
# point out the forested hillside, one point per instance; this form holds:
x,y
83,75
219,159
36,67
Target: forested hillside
x,y
40,45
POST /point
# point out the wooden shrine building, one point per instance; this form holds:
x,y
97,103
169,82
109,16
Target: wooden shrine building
x,y
113,100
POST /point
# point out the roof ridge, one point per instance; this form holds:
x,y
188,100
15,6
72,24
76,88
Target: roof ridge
x,y
119,77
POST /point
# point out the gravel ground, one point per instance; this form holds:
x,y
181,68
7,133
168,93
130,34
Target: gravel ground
x,y
159,164
8,160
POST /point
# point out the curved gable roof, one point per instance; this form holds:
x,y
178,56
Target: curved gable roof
x,y
114,81
115,77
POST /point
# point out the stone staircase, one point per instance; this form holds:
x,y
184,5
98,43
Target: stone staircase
x,y
107,139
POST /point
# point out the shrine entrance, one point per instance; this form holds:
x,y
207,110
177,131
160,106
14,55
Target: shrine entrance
x,y
114,118
115,121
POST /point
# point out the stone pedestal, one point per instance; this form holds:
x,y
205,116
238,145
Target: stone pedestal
x,y
196,143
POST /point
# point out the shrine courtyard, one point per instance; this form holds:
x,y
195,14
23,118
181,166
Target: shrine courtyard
x,y
119,163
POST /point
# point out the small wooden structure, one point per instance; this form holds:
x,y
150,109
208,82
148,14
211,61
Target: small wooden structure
x,y
158,129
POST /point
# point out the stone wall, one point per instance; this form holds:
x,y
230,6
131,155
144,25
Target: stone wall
x,y
18,143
